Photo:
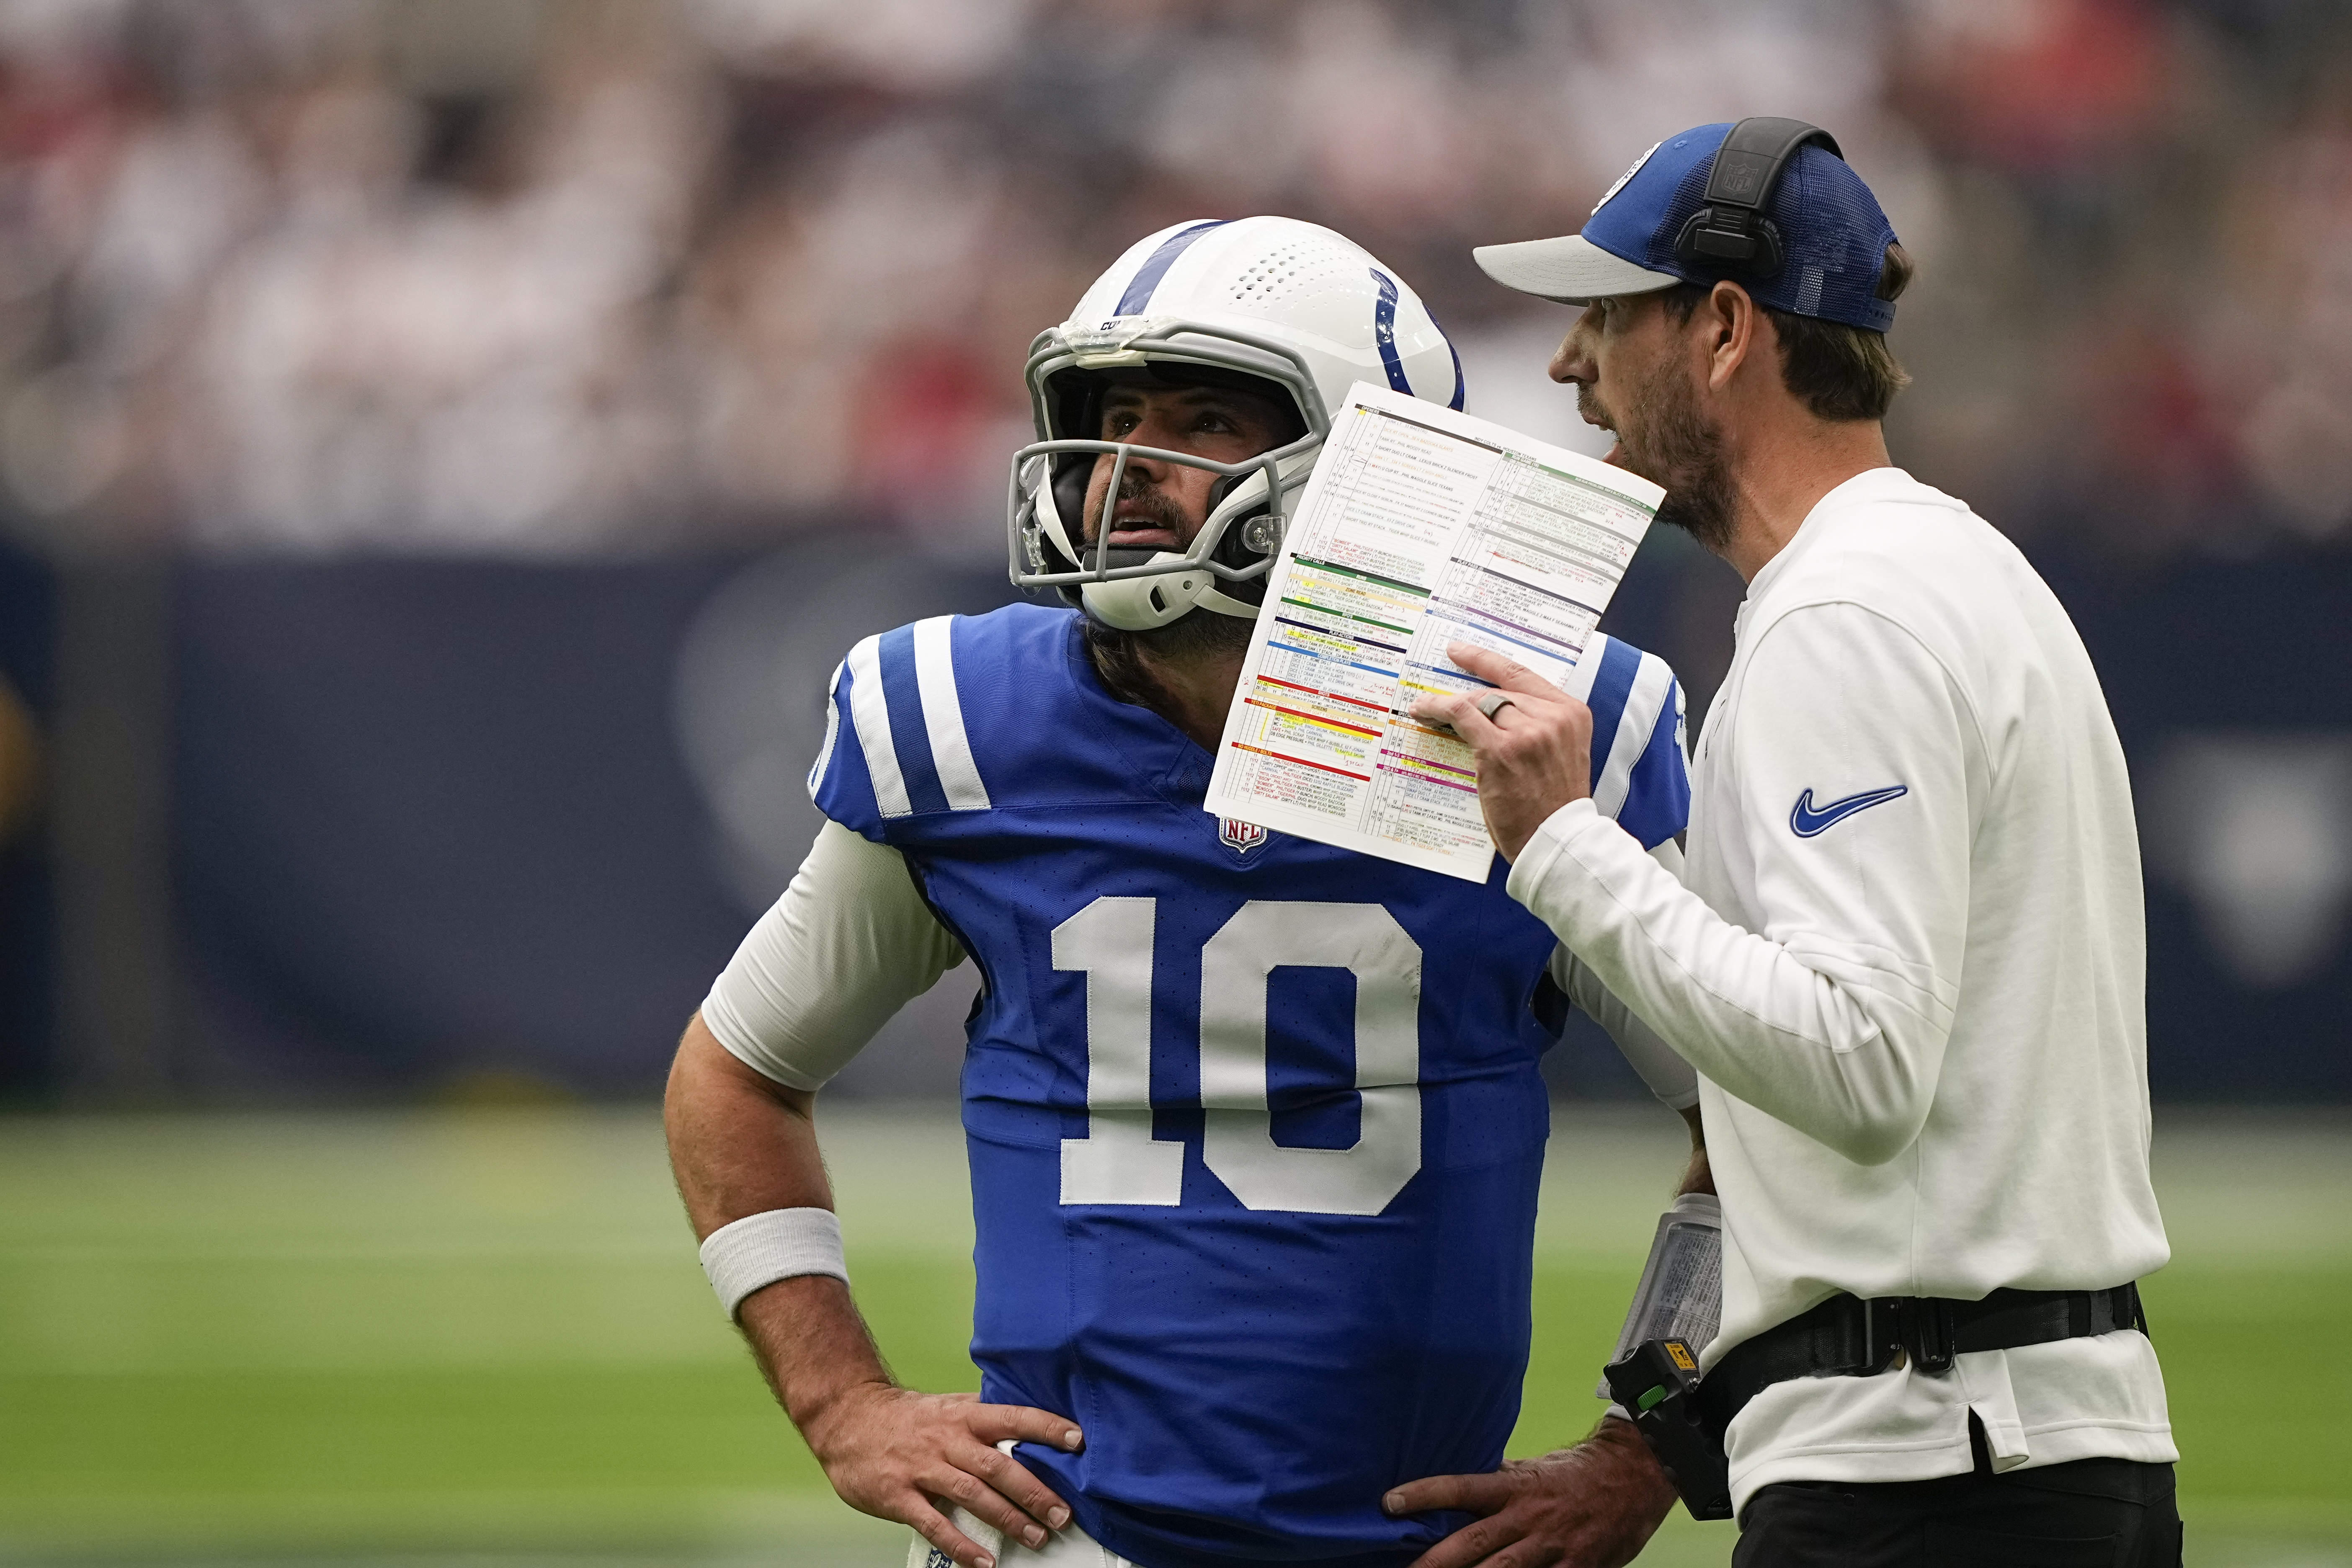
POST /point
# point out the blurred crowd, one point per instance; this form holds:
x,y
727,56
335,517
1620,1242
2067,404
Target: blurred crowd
x,y
581,277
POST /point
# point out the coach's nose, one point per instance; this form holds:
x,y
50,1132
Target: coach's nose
x,y
1571,363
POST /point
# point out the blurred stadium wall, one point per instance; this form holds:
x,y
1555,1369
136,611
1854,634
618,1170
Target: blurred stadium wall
x,y
445,444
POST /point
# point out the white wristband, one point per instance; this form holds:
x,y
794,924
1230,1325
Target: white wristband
x,y
759,1249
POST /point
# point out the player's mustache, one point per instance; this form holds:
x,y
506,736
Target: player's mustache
x,y
1162,508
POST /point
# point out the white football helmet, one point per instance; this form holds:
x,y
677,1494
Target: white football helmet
x,y
1300,312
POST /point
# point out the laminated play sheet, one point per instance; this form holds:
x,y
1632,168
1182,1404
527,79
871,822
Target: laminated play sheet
x,y
1421,527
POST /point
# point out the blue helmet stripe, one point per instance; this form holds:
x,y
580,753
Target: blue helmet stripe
x,y
902,695
1456,402
1156,265
1385,331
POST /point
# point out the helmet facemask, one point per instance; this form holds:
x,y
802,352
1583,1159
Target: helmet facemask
x,y
1222,567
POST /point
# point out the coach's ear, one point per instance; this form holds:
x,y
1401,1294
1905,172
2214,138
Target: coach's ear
x,y
1735,331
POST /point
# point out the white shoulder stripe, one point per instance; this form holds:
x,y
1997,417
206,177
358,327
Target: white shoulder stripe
x,y
870,710
1577,679
1653,683
832,731
943,717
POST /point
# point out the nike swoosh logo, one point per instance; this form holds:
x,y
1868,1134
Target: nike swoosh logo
x,y
1804,821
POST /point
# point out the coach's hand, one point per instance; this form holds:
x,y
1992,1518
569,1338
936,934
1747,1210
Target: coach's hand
x,y
1595,1505
900,1454
1535,754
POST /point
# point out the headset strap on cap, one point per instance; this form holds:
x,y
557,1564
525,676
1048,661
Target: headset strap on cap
x,y
1729,229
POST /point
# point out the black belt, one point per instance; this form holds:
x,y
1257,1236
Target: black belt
x,y
1847,1336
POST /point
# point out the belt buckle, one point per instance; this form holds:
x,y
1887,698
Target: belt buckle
x,y
1882,1334
1929,1336
1920,1327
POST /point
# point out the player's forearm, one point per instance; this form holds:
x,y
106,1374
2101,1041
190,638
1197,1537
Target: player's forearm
x,y
1698,1176
740,1145
812,1347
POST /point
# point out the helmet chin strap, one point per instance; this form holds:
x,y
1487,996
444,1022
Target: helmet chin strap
x,y
1226,605
1146,603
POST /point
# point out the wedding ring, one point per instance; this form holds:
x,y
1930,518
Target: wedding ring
x,y
1494,702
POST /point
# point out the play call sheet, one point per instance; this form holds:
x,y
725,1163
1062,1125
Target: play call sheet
x,y
1421,527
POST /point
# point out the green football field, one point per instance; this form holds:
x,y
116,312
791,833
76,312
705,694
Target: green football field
x,y
481,1335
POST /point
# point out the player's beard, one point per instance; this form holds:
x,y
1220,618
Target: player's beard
x,y
1669,441
1196,635
1191,635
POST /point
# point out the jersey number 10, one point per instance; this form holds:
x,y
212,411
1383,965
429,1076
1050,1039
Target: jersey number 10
x,y
1119,1161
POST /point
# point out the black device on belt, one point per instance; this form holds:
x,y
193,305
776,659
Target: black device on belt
x,y
1845,1336
1659,1386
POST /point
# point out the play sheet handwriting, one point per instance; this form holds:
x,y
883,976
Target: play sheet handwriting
x,y
1420,527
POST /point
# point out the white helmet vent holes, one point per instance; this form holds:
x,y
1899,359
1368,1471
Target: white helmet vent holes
x,y
1289,271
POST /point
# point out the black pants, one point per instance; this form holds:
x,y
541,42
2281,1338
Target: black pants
x,y
2093,1513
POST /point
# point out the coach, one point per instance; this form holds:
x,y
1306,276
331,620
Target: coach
x,y
1908,957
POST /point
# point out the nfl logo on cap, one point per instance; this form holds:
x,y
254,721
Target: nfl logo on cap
x,y
1239,836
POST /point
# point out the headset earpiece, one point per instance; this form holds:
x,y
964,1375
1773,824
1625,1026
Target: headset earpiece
x,y
1729,233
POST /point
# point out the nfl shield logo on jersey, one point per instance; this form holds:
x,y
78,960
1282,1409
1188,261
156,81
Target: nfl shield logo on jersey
x,y
1240,836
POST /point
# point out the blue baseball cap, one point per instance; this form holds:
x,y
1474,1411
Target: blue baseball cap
x,y
1832,235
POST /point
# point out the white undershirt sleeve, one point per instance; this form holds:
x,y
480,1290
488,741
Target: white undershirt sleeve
x,y
849,943
1834,1017
1674,1080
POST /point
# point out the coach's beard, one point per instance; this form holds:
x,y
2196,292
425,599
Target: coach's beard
x,y
1669,442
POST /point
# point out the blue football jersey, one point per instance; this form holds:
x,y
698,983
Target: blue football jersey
x,y
1255,1124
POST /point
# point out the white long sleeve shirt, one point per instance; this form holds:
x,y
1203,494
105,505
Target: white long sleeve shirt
x,y
1907,960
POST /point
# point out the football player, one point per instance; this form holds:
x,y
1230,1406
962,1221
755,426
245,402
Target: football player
x,y
1255,1124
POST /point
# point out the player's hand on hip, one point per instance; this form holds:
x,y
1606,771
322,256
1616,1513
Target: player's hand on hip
x,y
1534,744
1595,1505
910,1457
